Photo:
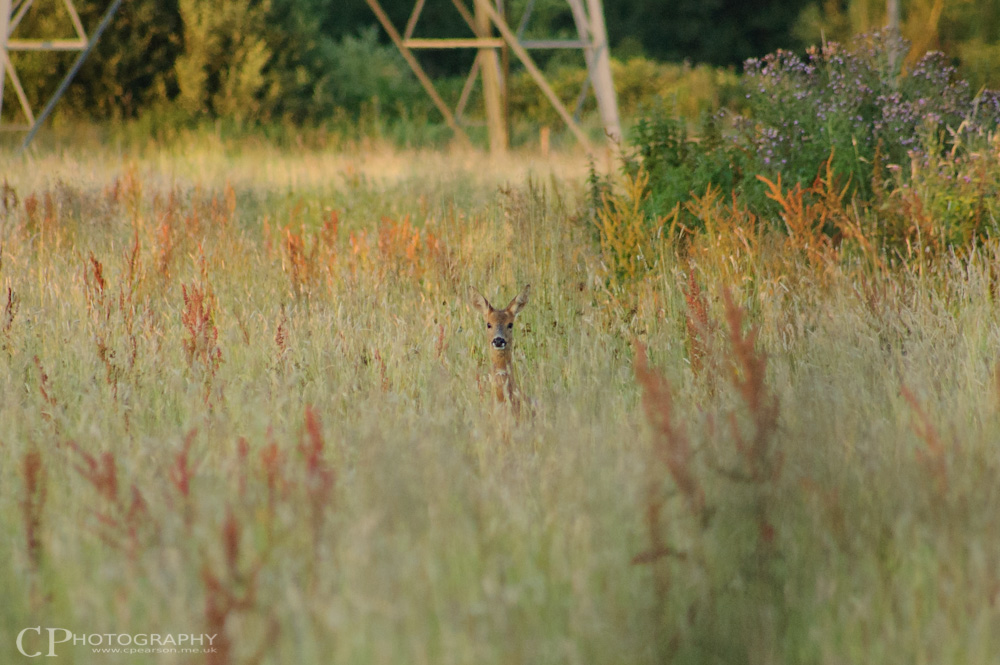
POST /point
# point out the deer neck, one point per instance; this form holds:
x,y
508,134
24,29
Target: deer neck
x,y
504,382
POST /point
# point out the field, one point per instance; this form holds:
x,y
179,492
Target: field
x,y
244,397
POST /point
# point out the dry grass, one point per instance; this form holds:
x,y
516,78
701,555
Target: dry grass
x,y
241,398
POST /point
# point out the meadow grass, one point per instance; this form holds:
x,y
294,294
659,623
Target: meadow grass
x,y
244,396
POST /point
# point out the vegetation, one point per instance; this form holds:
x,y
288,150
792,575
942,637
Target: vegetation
x,y
246,395
846,113
304,64
245,398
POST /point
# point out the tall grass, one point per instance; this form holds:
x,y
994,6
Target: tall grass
x,y
241,398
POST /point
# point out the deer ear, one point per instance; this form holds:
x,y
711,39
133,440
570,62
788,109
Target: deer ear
x,y
478,302
518,303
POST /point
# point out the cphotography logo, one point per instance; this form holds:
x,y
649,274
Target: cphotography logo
x,y
37,641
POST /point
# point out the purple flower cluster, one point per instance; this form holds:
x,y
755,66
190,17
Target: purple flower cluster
x,y
853,101
853,105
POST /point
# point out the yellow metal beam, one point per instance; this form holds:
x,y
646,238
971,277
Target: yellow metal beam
x,y
471,42
421,75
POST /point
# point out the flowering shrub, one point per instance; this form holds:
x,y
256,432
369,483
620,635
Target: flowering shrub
x,y
855,104
850,105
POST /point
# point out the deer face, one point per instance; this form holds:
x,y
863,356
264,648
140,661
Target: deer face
x,y
499,323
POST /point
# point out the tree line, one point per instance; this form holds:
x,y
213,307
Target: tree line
x,y
302,61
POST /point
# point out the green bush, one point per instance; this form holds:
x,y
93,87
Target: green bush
x,y
364,71
850,106
680,167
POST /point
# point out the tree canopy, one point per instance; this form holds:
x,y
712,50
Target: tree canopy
x,y
303,60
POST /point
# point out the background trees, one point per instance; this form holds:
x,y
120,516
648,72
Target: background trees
x,y
303,61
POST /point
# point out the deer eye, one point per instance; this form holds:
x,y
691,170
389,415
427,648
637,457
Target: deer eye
x,y
489,325
510,326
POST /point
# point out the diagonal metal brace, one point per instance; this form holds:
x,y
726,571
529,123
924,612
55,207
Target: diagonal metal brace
x,y
536,74
98,31
421,75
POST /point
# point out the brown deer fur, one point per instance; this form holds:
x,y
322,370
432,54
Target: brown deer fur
x,y
499,329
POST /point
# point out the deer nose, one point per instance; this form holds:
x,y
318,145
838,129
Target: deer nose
x,y
499,342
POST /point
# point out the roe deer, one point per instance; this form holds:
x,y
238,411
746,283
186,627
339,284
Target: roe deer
x,y
500,336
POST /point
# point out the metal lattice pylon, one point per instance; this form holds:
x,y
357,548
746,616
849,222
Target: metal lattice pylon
x,y
11,14
487,15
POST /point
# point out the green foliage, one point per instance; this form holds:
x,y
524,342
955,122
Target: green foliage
x,y
640,83
309,62
221,71
967,31
300,84
365,71
271,61
679,166
979,62
691,89
719,32
262,61
846,109
129,70
953,201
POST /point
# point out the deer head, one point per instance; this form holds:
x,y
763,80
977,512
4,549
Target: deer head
x,y
499,322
